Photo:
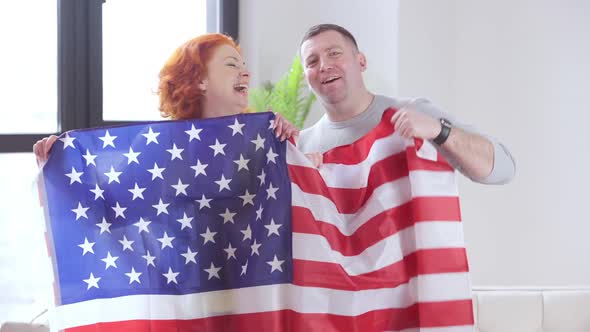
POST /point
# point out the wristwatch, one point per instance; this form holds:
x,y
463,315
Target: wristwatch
x,y
445,130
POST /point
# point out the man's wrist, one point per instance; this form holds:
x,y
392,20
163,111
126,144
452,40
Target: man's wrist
x,y
445,131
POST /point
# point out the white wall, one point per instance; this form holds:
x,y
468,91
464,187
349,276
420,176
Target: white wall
x,y
270,32
520,71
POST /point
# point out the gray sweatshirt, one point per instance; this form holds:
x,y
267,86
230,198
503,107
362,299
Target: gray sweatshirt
x,y
326,135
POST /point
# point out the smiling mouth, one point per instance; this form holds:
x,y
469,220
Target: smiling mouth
x,y
241,88
330,79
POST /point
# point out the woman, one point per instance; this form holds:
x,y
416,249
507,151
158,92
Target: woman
x,y
205,77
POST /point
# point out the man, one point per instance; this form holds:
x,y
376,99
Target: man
x,y
333,67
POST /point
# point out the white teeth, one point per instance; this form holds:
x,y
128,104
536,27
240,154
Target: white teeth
x,y
241,87
329,79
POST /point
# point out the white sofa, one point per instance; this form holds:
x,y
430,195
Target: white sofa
x,y
496,310
532,310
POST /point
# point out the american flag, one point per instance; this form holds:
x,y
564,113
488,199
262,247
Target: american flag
x,y
215,225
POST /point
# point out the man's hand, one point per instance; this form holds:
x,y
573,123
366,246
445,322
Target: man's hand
x,y
409,123
316,158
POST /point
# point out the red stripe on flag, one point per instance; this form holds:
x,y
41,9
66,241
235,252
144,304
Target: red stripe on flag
x,y
426,261
379,227
439,314
350,200
358,151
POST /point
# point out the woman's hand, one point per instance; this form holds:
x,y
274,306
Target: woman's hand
x,y
284,129
41,148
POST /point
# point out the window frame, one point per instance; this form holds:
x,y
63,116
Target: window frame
x,y
79,66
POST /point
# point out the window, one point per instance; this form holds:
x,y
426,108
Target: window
x,y
52,81
134,53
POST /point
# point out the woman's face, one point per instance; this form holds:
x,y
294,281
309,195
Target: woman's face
x,y
226,84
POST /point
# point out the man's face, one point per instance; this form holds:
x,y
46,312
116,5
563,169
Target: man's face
x,y
333,66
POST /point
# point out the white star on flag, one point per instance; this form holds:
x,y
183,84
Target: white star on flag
x,y
275,265
132,156
142,225
236,127
213,271
247,233
244,268
110,260
74,176
273,228
133,276
156,172
137,192
87,247
223,183
203,202
271,191
271,156
180,188
228,216
247,198
113,175
189,256
199,168
166,241
259,142
254,247
208,236
92,281
107,140
175,152
151,137
97,192
259,212
161,207
262,177
185,221
119,210
80,211
217,148
149,259
89,158
126,243
68,141
104,226
242,163
231,252
171,276
193,133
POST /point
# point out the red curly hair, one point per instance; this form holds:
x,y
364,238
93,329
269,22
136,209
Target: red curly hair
x,y
180,96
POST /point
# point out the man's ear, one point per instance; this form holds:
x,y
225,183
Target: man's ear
x,y
362,61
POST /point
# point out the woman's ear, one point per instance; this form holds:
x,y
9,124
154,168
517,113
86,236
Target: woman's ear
x,y
203,85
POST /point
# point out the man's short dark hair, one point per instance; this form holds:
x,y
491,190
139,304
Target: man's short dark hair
x,y
317,29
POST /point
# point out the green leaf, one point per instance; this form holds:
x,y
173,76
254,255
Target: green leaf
x,y
289,96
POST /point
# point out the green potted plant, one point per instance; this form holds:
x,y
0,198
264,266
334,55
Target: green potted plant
x,y
289,96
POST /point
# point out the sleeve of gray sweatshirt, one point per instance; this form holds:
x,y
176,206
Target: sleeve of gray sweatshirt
x,y
504,167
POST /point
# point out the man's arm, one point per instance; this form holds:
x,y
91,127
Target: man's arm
x,y
473,152
480,158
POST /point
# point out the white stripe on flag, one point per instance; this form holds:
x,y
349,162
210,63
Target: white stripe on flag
x,y
440,287
384,197
351,176
392,249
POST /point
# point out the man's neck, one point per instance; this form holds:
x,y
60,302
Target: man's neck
x,y
348,109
